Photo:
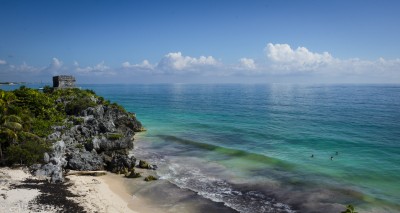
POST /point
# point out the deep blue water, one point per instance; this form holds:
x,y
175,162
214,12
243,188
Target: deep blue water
x,y
250,146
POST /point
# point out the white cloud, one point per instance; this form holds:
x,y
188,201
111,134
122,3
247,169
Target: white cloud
x,y
177,62
247,63
144,65
282,62
56,64
54,67
284,57
99,68
24,68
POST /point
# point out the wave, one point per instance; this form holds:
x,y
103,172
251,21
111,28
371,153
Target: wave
x,y
278,190
219,190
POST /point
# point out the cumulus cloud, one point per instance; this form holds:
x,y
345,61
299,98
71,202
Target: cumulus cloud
x,y
55,64
177,62
247,63
24,68
144,65
54,67
281,61
284,57
97,69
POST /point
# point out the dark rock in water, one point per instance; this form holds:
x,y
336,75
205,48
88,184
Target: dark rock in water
x,y
145,165
83,161
133,174
150,178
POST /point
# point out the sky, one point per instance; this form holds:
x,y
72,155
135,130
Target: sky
x,y
208,41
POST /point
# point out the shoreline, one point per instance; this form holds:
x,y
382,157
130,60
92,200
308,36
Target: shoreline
x,y
110,193
22,192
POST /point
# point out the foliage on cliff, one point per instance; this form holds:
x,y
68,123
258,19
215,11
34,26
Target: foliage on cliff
x,y
27,115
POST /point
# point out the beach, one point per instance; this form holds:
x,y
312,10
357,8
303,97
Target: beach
x,y
110,193
92,193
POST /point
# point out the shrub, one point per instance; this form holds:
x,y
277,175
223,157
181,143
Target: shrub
x,y
76,106
114,136
29,152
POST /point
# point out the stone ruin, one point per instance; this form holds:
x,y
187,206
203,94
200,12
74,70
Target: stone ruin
x,y
63,81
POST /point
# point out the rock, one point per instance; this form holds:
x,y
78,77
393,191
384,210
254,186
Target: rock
x,y
119,162
133,174
46,158
83,161
54,136
106,126
105,131
54,168
123,143
144,165
150,178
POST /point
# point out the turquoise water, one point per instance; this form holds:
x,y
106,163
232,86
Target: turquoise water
x,y
250,146
260,138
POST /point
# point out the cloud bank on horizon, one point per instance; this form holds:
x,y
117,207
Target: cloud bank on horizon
x,y
281,63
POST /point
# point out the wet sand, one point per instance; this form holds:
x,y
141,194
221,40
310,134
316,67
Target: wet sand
x,y
160,196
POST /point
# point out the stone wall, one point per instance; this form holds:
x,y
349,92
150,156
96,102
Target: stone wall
x,y
64,81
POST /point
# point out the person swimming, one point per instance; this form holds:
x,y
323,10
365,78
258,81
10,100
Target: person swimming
x,y
312,155
331,157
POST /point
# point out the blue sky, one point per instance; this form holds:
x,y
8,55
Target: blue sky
x,y
201,41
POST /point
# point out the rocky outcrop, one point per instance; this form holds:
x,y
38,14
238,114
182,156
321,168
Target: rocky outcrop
x,y
119,162
96,138
85,161
56,163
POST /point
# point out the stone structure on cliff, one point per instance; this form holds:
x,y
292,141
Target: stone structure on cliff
x,y
63,81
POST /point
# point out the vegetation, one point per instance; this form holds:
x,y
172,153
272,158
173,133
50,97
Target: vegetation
x,y
114,136
27,115
349,209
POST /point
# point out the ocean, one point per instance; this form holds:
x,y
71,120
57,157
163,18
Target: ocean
x,y
272,147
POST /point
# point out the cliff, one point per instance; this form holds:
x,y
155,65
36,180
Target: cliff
x,y
84,132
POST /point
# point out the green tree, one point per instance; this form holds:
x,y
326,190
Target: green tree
x,y
9,127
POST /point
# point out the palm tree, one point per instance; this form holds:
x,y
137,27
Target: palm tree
x,y
9,127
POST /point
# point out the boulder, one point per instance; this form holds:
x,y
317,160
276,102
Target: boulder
x,y
55,165
84,160
119,162
145,165
150,178
133,174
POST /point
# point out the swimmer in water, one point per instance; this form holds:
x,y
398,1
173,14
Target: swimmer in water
x,y
331,157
